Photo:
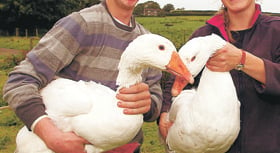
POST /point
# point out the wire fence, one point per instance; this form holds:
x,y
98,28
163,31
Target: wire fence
x,y
23,32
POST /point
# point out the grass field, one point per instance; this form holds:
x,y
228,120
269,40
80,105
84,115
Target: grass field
x,y
21,43
177,29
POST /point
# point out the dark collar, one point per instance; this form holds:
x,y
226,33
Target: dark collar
x,y
218,21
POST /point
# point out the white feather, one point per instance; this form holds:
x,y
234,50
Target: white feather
x,y
206,119
90,109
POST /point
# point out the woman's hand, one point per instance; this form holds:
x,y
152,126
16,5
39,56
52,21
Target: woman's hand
x,y
229,56
225,59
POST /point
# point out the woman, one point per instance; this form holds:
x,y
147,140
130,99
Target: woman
x,y
253,59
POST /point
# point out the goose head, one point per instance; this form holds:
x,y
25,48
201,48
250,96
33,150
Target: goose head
x,y
149,50
195,54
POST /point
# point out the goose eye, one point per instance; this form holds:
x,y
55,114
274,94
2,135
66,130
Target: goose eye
x,y
193,58
161,47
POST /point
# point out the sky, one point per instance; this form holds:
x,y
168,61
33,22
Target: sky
x,y
267,5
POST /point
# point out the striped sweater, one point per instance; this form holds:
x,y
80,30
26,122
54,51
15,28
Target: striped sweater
x,y
84,45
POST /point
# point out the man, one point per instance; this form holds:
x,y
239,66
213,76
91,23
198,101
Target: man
x,y
85,45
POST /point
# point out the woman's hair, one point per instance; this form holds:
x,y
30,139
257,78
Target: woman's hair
x,y
223,11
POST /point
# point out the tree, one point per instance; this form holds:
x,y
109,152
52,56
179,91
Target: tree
x,y
42,14
151,5
87,3
168,8
139,9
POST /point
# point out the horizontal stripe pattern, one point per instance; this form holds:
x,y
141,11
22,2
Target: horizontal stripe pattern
x,y
85,45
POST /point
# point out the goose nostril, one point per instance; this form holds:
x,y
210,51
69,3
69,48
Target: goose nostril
x,y
193,58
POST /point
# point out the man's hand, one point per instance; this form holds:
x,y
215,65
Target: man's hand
x,y
58,141
135,99
164,125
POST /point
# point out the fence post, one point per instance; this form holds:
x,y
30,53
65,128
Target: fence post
x,y
37,33
26,33
17,32
31,42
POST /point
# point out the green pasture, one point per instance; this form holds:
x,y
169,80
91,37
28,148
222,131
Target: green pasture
x,y
21,43
177,29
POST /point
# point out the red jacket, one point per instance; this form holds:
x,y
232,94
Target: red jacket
x,y
260,104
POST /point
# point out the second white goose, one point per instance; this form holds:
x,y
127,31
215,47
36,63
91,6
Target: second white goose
x,y
205,119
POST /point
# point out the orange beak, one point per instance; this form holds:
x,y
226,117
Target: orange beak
x,y
177,67
178,85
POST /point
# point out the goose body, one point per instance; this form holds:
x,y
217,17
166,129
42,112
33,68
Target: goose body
x,y
85,113
205,119
90,109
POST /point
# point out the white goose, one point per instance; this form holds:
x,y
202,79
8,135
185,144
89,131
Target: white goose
x,y
90,109
206,119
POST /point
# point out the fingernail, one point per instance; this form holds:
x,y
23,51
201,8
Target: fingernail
x,y
125,111
119,103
